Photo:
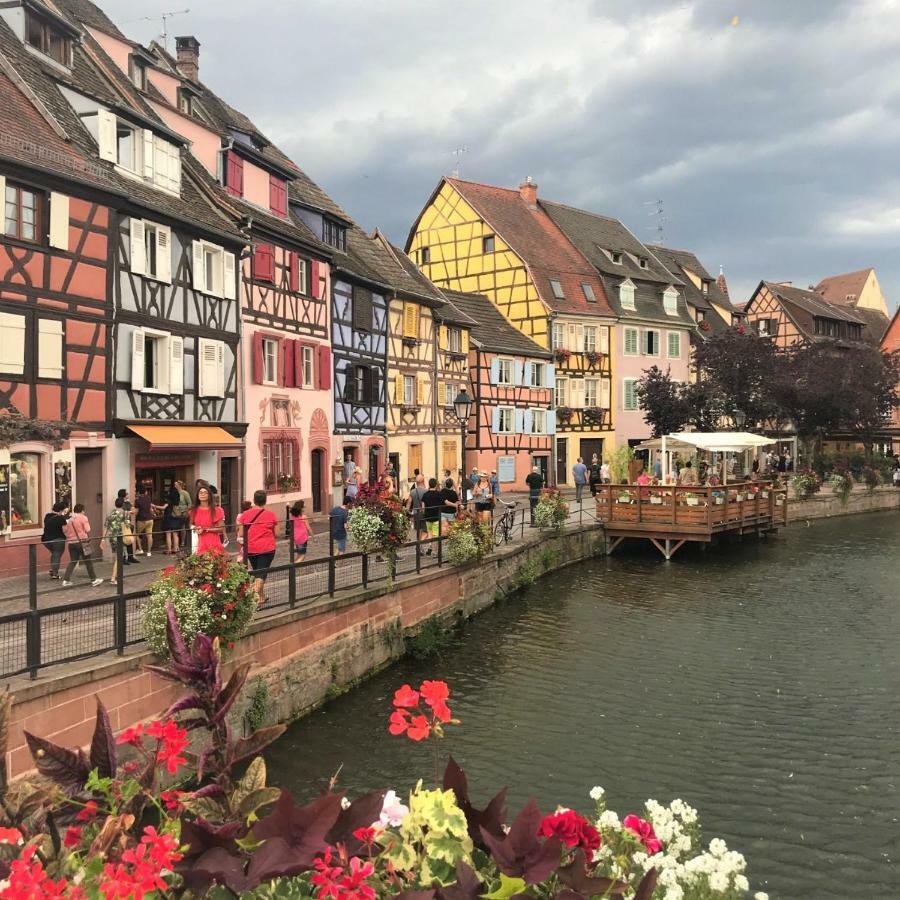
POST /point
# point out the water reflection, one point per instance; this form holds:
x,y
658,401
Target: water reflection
x,y
757,681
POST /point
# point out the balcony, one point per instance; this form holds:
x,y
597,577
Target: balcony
x,y
587,362
588,418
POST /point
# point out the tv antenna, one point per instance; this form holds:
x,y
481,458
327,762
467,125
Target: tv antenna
x,y
659,212
458,153
164,18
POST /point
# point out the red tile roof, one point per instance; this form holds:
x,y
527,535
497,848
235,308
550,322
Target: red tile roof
x,y
844,288
536,238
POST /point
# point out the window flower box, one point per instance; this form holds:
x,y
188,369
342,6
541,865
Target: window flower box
x,y
693,501
562,356
656,501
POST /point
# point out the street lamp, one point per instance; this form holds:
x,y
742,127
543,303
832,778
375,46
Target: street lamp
x,y
738,417
462,409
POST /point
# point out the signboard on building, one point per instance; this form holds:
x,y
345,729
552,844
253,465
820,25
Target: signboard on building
x,y
506,468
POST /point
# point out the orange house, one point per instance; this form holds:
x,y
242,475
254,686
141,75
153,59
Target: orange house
x,y
890,343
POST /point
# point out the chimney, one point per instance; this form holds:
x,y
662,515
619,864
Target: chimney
x,y
188,49
721,283
528,191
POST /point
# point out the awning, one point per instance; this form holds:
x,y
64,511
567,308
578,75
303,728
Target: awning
x,y
186,437
722,441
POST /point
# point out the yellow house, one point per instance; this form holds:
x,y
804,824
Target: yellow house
x,y
501,243
423,374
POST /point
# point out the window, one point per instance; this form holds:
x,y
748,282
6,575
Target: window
x,y
487,244
454,340
270,361
411,321
185,102
538,421
506,420
674,348
642,262
307,367
214,270
651,342
264,262
670,302
626,295
50,348
362,309
151,250
211,368
22,213
704,287
854,332
137,72
559,336
24,488
154,348
561,394
360,387
616,257
333,234
424,256
409,390
701,315
278,195
590,338
47,38
280,461
505,372
766,327
589,294
536,376
12,344
557,289
234,174
590,391
629,394
631,341
126,146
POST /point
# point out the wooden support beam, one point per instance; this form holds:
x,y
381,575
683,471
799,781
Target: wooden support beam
x,y
612,543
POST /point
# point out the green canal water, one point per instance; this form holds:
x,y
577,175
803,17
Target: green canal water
x,y
759,682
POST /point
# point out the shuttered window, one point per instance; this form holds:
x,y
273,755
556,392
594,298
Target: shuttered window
x,y
650,342
234,174
12,344
264,262
362,309
21,211
50,348
211,368
277,195
629,394
631,341
674,345
410,320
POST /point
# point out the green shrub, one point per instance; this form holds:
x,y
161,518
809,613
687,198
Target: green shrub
x,y
468,540
551,511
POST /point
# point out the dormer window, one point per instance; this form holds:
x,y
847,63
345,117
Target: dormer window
x,y
670,301
48,38
487,244
334,234
138,151
137,72
642,262
126,146
626,295
616,257
557,289
704,287
185,102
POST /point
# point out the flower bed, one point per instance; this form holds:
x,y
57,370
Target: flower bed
x,y
212,594
116,831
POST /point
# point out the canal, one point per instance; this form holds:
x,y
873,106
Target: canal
x,y
759,682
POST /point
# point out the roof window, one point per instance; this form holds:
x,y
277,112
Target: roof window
x,y
616,257
557,289
642,262
588,293
47,38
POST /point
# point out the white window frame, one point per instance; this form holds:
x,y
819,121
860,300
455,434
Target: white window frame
x,y
559,336
626,295
135,167
670,336
160,340
223,269
537,377
561,392
637,342
307,367
538,421
591,392
270,356
759,327
644,335
590,338
625,406
511,412
454,339
409,390
503,363
670,302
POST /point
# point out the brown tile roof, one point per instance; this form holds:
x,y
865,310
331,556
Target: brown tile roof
x,y
491,330
404,275
533,235
844,288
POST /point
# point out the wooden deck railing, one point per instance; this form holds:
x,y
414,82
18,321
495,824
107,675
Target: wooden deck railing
x,y
692,507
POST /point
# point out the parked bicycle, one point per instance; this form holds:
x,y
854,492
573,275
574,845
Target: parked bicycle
x,y
503,527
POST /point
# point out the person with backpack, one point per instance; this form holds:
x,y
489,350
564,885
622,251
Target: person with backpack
x,y
415,507
535,482
77,531
299,531
54,538
594,475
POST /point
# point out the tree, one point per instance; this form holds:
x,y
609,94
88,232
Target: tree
x,y
869,384
705,403
742,368
660,398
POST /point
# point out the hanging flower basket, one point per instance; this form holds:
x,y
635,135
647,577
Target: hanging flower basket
x,y
564,413
378,522
562,355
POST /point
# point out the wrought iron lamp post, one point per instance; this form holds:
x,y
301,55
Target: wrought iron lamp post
x,y
462,409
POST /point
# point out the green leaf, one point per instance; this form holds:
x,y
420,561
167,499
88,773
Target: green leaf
x,y
508,887
249,843
257,799
206,807
254,780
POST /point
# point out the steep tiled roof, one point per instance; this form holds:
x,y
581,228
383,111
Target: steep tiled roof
x,y
813,303
844,288
539,242
492,331
876,322
405,277
89,14
596,236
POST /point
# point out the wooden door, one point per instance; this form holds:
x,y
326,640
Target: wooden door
x,y
449,460
317,464
562,461
415,459
89,485
589,447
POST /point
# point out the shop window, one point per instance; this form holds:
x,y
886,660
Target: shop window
x,y
25,488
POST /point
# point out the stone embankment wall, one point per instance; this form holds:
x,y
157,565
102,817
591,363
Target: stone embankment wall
x,y
303,656
825,505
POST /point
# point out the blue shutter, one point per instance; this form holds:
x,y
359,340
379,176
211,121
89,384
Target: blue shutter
x,y
551,421
495,371
517,373
520,421
549,374
495,419
527,421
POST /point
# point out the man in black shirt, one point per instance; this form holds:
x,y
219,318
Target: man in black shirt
x,y
432,503
535,484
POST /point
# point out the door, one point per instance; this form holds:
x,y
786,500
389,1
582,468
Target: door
x,y
562,461
450,460
543,466
228,488
317,462
590,446
89,485
373,463
415,460
395,463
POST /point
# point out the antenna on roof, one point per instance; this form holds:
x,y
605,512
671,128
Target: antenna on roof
x,y
458,153
164,34
661,219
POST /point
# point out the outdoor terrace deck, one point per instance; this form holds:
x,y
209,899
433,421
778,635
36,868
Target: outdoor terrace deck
x,y
670,515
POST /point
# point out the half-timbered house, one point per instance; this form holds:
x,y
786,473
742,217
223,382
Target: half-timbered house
x,y
503,244
512,379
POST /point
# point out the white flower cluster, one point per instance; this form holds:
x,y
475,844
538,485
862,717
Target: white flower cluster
x,y
366,530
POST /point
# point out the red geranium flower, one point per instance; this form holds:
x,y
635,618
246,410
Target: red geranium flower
x,y
131,735
645,833
435,694
10,836
406,696
572,829
73,836
88,813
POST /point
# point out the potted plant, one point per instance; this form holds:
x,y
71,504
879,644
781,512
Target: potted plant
x,y
561,355
593,357
468,539
378,523
692,500
656,499
551,510
624,497
564,413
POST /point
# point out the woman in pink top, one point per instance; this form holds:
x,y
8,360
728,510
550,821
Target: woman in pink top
x,y
207,521
78,535
301,530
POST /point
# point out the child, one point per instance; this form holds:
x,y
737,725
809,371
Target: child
x,y
301,530
245,505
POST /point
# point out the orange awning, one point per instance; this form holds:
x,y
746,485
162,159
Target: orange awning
x,y
186,437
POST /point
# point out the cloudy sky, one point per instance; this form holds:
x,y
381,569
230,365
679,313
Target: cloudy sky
x,y
769,129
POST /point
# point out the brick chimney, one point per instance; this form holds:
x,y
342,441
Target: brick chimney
x,y
188,49
528,191
720,281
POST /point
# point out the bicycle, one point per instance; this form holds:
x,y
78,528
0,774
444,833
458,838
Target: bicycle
x,y
503,528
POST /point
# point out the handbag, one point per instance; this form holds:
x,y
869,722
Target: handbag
x,y
86,551
127,534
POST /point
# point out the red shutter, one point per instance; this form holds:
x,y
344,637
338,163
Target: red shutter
x,y
277,195
324,362
314,279
264,262
298,362
258,358
234,174
295,272
291,374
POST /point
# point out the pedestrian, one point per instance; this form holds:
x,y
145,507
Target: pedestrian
x,y
246,506
300,530
594,475
580,477
788,462
432,503
414,505
173,523
208,520
143,524
54,537
259,526
388,485
450,509
657,469
128,528
353,484
494,482
535,482
687,474
114,530
484,501
339,528
77,531
604,472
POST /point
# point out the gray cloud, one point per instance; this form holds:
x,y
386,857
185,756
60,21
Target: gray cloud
x,y
771,142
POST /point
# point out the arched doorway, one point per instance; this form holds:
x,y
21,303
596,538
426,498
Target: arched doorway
x,y
318,479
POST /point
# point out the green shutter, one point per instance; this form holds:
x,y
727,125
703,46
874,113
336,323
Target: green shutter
x,y
631,341
630,395
674,345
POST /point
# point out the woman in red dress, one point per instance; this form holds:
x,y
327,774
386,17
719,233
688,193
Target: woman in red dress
x,y
208,521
